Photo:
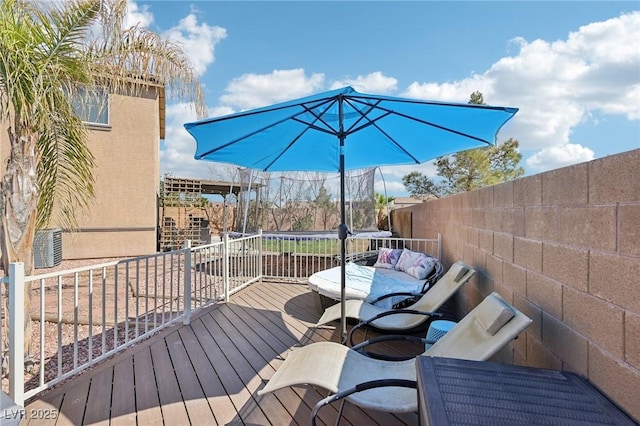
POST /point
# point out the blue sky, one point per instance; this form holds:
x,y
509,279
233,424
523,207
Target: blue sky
x,y
572,68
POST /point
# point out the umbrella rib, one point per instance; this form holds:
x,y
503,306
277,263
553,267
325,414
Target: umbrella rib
x,y
309,126
318,117
428,123
234,141
371,122
360,96
363,115
319,102
407,152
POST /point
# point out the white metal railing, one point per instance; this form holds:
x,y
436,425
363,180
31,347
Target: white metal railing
x,y
291,257
84,315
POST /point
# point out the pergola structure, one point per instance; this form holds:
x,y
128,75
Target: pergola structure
x,y
182,214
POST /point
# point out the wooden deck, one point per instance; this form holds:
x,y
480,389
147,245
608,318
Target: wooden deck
x,y
208,372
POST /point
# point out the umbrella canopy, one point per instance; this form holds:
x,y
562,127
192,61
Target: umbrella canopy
x,y
343,130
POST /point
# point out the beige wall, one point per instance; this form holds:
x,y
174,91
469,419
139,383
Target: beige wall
x,y
122,219
563,247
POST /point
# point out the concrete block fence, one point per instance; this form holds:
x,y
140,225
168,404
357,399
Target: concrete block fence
x,y
563,247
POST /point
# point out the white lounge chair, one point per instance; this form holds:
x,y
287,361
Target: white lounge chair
x,y
409,317
349,374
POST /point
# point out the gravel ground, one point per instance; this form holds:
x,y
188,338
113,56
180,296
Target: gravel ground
x,y
85,320
77,300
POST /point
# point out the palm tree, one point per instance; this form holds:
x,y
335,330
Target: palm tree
x,y
382,203
53,53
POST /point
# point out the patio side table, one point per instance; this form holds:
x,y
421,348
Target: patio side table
x,y
456,392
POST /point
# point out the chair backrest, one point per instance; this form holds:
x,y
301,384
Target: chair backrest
x,y
482,332
436,296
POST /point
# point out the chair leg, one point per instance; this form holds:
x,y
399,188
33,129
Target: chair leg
x,y
340,412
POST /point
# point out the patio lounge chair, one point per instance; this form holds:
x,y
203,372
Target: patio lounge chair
x,y
375,282
349,374
411,316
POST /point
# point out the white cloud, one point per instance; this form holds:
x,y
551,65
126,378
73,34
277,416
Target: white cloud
x,y
176,157
375,82
137,15
559,156
198,40
256,90
558,85
391,188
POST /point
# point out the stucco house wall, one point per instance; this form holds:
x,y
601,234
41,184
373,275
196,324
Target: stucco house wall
x,y
563,247
122,219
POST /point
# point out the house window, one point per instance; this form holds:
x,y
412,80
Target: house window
x,y
92,106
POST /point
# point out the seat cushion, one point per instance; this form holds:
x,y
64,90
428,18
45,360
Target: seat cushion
x,y
387,258
416,264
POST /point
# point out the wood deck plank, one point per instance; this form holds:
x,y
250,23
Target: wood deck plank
x,y
147,402
194,399
123,400
260,356
99,399
274,312
219,401
234,386
171,403
303,335
213,368
355,417
279,296
43,411
273,351
73,403
275,413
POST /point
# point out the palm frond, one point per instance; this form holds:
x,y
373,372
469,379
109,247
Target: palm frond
x,y
49,54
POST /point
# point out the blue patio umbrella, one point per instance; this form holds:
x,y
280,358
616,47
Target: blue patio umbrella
x,y
344,130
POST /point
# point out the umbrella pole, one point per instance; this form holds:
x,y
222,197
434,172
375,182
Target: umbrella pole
x,y
342,230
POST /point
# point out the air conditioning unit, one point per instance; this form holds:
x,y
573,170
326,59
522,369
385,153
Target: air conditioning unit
x,y
47,248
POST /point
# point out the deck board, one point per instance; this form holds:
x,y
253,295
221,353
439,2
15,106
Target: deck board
x,y
222,407
74,403
168,389
195,402
209,372
147,401
99,399
123,397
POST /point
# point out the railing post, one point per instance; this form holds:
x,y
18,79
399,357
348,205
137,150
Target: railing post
x,y
440,247
16,332
187,283
225,266
295,259
260,274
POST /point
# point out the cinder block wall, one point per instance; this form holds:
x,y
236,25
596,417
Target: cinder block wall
x,y
563,247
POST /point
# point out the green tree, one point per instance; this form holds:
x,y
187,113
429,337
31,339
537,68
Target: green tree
x,y
51,55
469,170
420,186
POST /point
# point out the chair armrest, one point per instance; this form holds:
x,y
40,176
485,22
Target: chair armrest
x,y
367,258
406,337
386,314
359,388
438,272
400,293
